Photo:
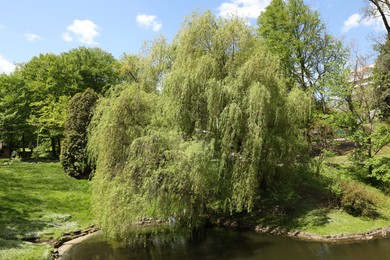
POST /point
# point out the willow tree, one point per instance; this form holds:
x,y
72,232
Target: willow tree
x,y
222,132
148,68
229,90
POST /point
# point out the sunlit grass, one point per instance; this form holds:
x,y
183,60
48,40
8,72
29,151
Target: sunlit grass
x,y
330,221
39,201
337,221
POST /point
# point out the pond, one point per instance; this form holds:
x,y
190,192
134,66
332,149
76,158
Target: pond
x,y
229,244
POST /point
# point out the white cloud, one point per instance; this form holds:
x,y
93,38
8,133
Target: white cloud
x,y
31,37
357,20
352,22
83,31
149,22
243,8
6,66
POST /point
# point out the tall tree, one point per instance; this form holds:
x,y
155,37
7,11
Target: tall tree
x,y
73,153
299,37
381,77
222,133
373,10
53,79
359,108
310,58
49,88
14,110
90,68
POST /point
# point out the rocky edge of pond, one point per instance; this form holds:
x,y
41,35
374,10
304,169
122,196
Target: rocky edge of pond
x,y
378,233
70,236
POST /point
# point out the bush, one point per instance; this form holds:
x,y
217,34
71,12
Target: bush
x,y
357,200
74,158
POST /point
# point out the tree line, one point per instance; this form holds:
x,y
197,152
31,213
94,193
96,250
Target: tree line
x,y
36,96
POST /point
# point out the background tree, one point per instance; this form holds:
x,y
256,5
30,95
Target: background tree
x,y
48,87
299,37
74,157
310,58
14,111
359,108
381,9
90,68
52,80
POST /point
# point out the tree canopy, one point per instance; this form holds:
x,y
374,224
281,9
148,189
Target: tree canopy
x,y
221,133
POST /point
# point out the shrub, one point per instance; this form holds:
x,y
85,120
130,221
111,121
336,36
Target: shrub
x,y
74,158
357,200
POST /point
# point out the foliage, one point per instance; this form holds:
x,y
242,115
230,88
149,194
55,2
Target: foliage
x,y
222,132
74,158
231,91
380,175
358,110
381,78
89,68
148,68
119,119
310,59
39,92
14,109
298,36
357,200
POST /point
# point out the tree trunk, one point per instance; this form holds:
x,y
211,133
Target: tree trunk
x,y
369,153
11,143
59,146
24,144
53,147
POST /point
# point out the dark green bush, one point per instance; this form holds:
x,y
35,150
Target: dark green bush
x,y
74,158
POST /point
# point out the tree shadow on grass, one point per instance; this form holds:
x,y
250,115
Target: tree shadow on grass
x,y
16,222
310,207
17,207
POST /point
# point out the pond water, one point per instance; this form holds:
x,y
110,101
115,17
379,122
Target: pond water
x,y
229,244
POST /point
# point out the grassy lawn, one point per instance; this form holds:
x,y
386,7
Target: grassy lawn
x,y
38,201
330,221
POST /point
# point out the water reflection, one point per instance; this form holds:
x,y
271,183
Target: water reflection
x,y
228,244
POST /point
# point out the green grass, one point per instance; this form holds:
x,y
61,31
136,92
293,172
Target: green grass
x,y
332,221
318,219
315,211
39,201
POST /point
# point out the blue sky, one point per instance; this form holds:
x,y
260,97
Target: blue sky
x,y
28,28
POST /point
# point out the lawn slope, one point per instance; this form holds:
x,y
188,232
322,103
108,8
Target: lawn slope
x,y
38,203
